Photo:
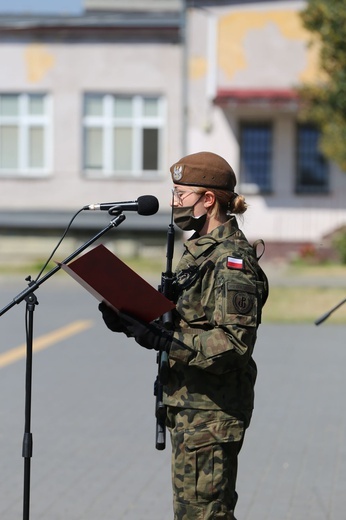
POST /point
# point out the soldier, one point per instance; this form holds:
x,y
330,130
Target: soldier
x,y
219,293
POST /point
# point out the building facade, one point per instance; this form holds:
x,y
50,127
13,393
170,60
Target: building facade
x,y
95,107
246,60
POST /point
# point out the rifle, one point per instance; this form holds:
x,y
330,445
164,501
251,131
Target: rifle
x,y
165,288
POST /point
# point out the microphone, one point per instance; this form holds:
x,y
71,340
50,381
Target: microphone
x,y
144,205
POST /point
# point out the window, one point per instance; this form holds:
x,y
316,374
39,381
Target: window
x,y
312,167
24,134
123,135
256,156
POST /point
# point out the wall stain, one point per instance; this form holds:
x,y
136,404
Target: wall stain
x,y
38,61
234,28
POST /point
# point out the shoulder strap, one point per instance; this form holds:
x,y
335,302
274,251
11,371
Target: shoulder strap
x,y
262,276
256,244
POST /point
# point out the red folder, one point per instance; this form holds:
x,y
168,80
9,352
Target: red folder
x,y
107,278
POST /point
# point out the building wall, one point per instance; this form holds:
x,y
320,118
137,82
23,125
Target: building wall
x,y
67,70
259,45
243,46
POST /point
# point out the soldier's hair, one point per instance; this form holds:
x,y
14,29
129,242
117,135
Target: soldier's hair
x,y
227,202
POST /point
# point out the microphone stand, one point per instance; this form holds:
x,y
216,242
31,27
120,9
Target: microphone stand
x,y
31,302
327,314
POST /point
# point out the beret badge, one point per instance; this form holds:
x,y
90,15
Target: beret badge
x,y
177,172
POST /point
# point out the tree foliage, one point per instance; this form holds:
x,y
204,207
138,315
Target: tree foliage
x,y
325,103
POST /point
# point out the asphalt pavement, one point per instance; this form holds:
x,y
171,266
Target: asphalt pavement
x,y
92,418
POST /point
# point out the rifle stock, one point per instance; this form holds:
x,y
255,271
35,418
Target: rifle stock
x,y
160,411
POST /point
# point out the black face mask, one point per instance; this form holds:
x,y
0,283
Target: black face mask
x,y
185,219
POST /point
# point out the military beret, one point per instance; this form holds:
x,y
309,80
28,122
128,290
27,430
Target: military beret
x,y
205,169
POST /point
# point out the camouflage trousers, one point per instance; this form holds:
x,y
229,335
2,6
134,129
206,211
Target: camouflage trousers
x,y
205,448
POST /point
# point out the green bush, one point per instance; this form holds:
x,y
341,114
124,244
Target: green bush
x,y
339,243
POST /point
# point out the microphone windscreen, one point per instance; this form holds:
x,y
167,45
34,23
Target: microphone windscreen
x,y
147,205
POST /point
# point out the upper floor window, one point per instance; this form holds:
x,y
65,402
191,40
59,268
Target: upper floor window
x,y
256,156
123,135
312,167
24,134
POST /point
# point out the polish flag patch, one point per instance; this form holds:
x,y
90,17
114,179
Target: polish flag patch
x,y
234,263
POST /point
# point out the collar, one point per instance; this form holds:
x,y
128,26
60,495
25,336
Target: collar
x,y
198,246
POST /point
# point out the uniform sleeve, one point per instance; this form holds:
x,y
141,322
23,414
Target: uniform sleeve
x,y
229,304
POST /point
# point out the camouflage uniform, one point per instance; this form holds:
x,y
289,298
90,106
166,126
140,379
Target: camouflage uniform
x,y
220,290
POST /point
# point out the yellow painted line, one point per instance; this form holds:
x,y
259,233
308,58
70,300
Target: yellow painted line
x,y
45,341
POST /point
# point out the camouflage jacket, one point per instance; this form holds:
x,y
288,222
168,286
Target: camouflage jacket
x,y
220,290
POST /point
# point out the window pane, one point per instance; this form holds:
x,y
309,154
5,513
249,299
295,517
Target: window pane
x,y
9,147
93,105
36,147
36,104
312,170
93,145
256,153
9,105
128,144
122,107
122,149
150,148
151,107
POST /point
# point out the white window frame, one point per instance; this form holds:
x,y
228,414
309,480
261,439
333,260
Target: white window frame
x,y
137,122
24,121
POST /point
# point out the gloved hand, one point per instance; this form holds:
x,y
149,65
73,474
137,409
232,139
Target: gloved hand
x,y
148,335
111,318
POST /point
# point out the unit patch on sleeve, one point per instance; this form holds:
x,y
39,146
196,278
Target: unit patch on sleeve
x,y
243,302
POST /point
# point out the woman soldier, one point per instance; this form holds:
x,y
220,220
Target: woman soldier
x,y
219,294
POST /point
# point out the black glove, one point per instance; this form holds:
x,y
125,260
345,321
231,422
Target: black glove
x,y
148,335
111,318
